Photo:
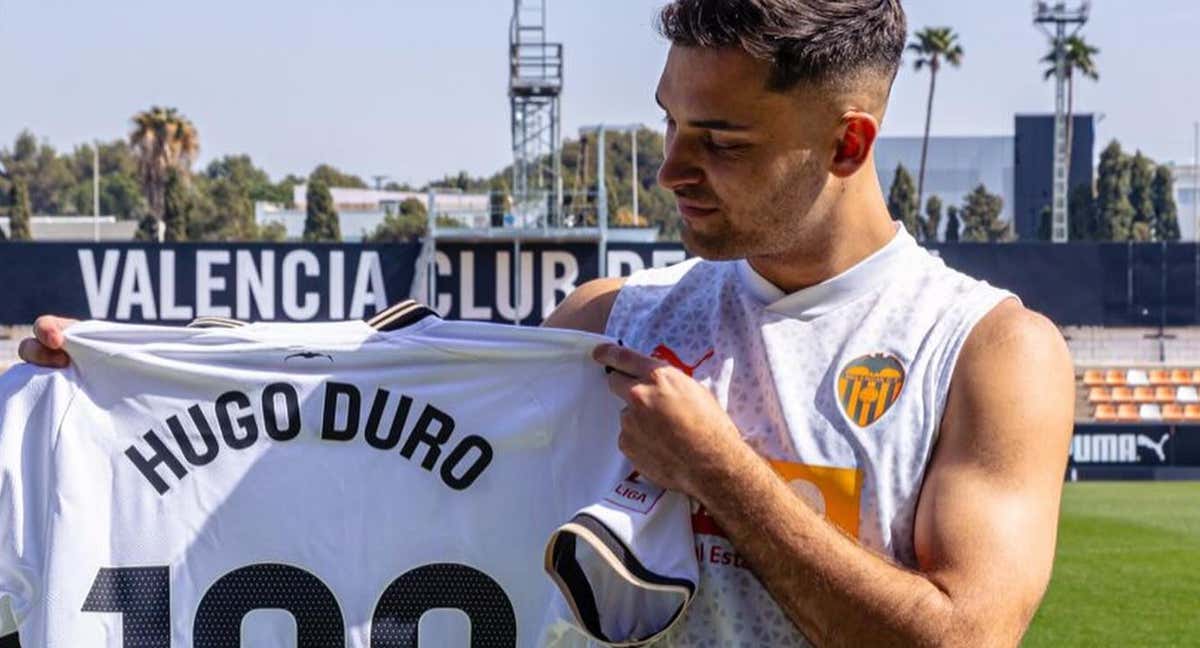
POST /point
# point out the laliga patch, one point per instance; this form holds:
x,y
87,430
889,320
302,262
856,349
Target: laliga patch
x,y
634,494
868,386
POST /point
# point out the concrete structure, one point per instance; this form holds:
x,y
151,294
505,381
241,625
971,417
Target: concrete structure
x,y
76,228
955,166
1033,159
360,211
1187,200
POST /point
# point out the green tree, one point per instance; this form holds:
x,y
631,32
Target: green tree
x,y
148,229
162,139
18,223
177,207
1114,212
902,201
953,225
933,218
1080,60
1141,177
406,224
933,46
1166,213
1084,225
48,176
321,221
332,177
981,218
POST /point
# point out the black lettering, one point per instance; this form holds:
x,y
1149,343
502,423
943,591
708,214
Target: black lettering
x,y
142,596
319,621
482,460
246,423
149,467
291,404
396,622
398,421
421,434
329,429
211,447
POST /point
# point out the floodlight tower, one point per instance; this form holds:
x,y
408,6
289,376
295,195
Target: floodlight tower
x,y
1061,18
534,90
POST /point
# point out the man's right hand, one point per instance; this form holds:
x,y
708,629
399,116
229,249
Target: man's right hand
x,y
45,348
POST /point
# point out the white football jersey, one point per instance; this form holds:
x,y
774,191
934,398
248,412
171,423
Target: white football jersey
x,y
403,482
841,386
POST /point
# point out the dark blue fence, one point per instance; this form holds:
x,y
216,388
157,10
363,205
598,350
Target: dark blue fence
x,y
1107,284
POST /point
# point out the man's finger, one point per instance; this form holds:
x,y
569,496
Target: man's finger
x,y
48,329
621,384
34,352
624,360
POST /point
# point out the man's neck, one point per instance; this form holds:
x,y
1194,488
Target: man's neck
x,y
855,228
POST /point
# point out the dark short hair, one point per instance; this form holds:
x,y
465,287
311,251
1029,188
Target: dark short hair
x,y
803,40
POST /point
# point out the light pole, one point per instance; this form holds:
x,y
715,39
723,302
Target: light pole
x,y
601,194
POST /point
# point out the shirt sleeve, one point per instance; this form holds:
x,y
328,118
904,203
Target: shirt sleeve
x,y
626,565
32,404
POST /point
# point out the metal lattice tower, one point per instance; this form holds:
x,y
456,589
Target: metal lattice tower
x,y
534,90
1061,18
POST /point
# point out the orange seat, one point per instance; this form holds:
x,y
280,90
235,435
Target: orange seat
x,y
1160,377
1143,394
1122,395
1128,412
1172,412
1191,411
1100,395
1114,377
1181,377
1105,412
1195,380
1164,394
1093,377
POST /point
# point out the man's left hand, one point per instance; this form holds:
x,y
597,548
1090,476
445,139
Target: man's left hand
x,y
672,428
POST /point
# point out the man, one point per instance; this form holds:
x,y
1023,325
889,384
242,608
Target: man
x,y
876,443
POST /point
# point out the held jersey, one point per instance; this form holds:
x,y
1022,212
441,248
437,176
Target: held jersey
x,y
319,485
841,386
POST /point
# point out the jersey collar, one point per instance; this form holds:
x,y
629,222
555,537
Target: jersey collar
x,y
809,303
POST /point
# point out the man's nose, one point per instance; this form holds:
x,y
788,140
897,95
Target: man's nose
x,y
679,168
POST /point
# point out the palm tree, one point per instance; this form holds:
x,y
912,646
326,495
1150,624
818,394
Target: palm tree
x,y
1079,59
162,139
933,46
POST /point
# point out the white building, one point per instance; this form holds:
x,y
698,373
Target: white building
x,y
360,211
1187,199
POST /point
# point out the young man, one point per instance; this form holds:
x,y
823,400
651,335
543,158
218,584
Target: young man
x,y
875,443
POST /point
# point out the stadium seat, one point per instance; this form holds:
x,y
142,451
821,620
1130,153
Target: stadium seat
x,y
1143,394
1187,394
1100,395
1195,377
1122,395
1094,377
1172,412
1191,412
1137,377
1108,412
1150,412
1114,377
1181,377
1128,412
1164,394
1160,377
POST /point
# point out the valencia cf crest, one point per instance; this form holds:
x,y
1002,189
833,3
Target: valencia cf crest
x,y
868,386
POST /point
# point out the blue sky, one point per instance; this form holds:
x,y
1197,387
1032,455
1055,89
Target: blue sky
x,y
414,89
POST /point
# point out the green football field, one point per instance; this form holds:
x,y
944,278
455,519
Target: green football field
x,y
1128,567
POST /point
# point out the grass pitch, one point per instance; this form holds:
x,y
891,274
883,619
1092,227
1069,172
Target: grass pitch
x,y
1128,567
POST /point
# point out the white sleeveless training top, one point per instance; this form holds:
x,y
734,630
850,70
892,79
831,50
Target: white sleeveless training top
x,y
841,386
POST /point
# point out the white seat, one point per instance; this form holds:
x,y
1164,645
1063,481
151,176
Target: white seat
x,y
1137,377
1150,412
1187,394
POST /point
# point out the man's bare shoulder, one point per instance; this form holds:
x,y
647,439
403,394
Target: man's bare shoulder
x,y
1017,333
587,307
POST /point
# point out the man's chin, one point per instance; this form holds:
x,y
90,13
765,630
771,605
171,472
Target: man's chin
x,y
709,246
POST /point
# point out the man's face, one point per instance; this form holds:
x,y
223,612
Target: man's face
x,y
746,164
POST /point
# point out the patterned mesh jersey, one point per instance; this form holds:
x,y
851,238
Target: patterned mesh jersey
x,y
841,386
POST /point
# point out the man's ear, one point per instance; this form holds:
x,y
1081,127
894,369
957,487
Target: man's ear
x,y
859,131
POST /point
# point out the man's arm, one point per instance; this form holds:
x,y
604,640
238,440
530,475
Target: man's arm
x,y
587,307
986,518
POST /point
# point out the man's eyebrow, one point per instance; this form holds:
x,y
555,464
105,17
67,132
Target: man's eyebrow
x,y
707,124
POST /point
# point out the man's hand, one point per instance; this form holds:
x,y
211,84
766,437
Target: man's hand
x,y
672,429
45,348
